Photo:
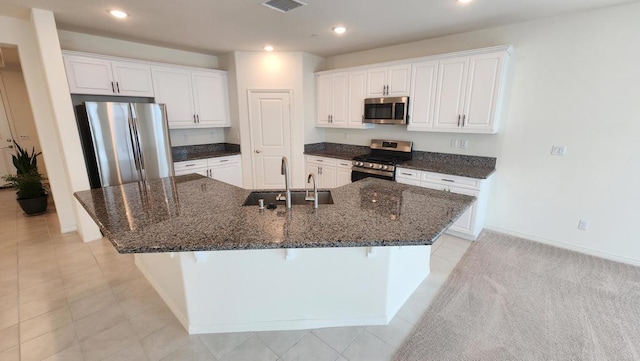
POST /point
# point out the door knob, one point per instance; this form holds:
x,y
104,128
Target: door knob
x,y
258,151
10,147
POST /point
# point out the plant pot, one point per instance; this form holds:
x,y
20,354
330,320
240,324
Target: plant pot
x,y
33,206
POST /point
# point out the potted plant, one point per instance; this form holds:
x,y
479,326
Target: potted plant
x,y
28,182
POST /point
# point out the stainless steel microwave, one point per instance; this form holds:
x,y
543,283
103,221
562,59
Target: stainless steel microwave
x,y
390,110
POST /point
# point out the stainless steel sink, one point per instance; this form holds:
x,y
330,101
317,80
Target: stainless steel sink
x,y
297,197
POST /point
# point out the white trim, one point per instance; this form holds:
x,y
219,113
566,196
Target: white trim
x,y
167,300
569,246
69,229
284,325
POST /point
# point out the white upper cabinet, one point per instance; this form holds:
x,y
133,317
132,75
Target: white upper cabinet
x,y
388,81
423,95
194,99
210,98
332,99
98,76
458,92
340,100
469,92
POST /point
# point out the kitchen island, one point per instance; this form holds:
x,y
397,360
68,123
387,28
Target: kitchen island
x,y
222,267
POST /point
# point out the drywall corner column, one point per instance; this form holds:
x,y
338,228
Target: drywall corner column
x,y
64,122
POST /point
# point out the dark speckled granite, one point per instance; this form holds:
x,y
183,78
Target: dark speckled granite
x,y
454,164
194,213
335,150
202,151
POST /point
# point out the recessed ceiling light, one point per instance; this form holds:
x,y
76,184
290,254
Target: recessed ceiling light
x,y
339,29
118,14
464,1
268,48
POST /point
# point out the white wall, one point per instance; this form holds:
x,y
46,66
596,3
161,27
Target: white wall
x,y
107,46
22,33
22,124
574,81
196,136
271,71
311,64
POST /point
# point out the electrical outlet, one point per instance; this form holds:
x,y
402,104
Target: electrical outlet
x,y
583,225
464,143
559,150
455,143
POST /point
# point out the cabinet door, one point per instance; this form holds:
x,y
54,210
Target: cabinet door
x,y
210,99
452,76
398,80
483,91
312,168
89,76
328,176
376,82
339,86
423,95
323,99
132,79
230,173
343,173
465,223
173,88
357,93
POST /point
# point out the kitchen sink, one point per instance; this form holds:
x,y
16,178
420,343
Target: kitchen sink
x,y
297,197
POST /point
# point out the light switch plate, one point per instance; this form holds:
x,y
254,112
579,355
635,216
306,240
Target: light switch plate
x,y
559,150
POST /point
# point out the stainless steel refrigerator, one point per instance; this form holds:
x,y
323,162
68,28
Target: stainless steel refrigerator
x,y
124,142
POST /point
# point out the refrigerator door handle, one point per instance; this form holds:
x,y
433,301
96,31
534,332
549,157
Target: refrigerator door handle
x,y
136,126
135,143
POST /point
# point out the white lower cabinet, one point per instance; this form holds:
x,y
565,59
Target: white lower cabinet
x,y
225,169
471,222
330,172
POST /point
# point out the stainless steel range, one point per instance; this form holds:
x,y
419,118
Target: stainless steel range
x,y
381,162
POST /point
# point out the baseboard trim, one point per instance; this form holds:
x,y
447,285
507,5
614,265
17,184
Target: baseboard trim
x,y
569,246
68,229
283,325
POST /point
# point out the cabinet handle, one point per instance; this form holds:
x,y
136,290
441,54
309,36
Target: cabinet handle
x,y
362,118
319,170
448,180
406,174
319,160
258,151
224,160
113,88
344,164
189,165
198,117
458,119
194,118
463,116
118,86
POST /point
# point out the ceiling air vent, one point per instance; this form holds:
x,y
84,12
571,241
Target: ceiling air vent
x,y
283,5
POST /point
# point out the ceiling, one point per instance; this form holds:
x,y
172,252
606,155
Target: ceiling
x,y
221,26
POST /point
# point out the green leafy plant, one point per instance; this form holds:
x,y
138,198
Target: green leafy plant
x,y
27,180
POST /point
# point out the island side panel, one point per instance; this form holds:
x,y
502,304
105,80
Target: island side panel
x,y
164,272
262,290
408,267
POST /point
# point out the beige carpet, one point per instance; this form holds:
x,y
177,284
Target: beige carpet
x,y
513,299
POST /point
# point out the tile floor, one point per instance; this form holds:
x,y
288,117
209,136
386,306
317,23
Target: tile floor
x,y
62,299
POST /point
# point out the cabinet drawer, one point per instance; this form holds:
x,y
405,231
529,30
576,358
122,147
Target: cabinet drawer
x,y
408,173
346,164
451,180
321,160
223,160
189,165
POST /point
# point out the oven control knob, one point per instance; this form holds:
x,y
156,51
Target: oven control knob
x,y
359,164
384,167
370,165
379,166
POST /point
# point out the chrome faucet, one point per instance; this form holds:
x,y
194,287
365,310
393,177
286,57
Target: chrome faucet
x,y
284,170
315,191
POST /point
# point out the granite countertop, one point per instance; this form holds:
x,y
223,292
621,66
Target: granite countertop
x,y
195,213
335,150
453,164
203,151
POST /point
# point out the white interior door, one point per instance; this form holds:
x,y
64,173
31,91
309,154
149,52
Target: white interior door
x,y
270,122
6,143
